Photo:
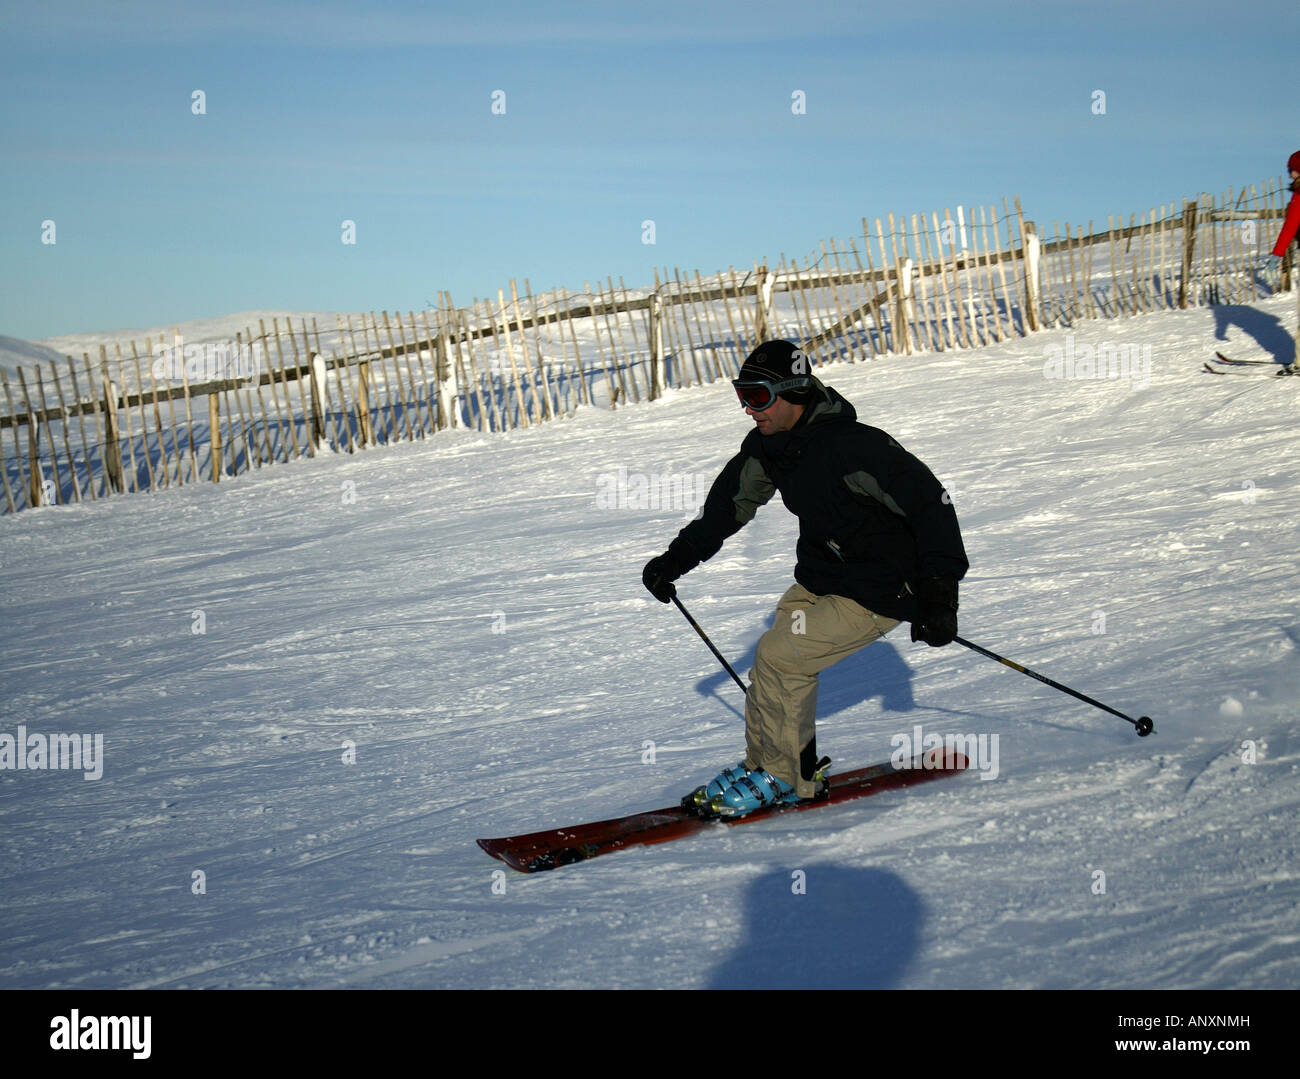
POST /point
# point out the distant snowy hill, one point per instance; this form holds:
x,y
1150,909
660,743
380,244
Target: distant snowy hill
x,y
15,353
218,328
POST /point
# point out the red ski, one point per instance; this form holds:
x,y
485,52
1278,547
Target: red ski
x,y
555,847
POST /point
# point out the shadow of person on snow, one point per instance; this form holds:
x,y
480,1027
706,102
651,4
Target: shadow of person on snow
x,y
1267,330
837,928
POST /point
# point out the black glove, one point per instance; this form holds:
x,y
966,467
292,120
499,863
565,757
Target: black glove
x,y
937,623
660,572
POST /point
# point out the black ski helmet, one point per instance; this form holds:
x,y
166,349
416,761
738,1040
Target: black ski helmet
x,y
781,361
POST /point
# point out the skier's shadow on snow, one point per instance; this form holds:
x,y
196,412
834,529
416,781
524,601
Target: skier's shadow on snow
x,y
878,670
849,929
1267,330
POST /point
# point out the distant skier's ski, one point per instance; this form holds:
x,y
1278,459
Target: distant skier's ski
x,y
538,851
1211,369
1221,358
1244,370
1250,365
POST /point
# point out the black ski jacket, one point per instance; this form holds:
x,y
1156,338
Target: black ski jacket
x,y
873,520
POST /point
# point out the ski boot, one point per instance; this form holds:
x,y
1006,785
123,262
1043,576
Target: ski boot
x,y
754,790
698,800
1291,369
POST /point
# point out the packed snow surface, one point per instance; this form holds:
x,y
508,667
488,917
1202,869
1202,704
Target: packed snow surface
x,y
317,684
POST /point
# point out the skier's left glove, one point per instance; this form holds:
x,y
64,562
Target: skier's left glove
x,y
937,623
1272,271
660,572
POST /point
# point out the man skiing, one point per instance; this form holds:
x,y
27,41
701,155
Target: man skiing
x,y
878,544
1272,266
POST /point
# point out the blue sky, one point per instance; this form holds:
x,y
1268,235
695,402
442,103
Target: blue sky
x,y
615,114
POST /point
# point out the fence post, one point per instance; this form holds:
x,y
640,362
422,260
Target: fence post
x,y
316,367
906,308
1189,246
763,292
40,493
214,436
1032,253
35,477
656,347
112,448
440,358
365,430
444,376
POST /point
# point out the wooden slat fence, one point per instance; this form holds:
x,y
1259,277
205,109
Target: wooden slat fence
x,y
172,413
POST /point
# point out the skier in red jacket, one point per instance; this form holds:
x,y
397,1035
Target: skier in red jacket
x,y
1290,226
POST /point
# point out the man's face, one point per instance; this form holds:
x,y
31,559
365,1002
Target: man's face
x,y
781,415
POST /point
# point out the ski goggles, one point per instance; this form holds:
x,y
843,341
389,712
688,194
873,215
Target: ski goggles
x,y
760,393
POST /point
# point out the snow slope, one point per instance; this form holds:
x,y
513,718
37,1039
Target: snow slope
x,y
409,648
16,353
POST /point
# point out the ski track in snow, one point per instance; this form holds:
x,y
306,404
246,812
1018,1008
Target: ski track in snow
x,y
473,624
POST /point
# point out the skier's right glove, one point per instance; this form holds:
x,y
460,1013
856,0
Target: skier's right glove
x,y
937,624
660,572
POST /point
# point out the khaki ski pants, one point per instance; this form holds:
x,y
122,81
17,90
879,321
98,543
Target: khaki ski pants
x,y
810,634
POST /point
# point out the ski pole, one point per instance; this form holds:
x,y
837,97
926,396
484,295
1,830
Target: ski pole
x,y
1142,723
705,638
